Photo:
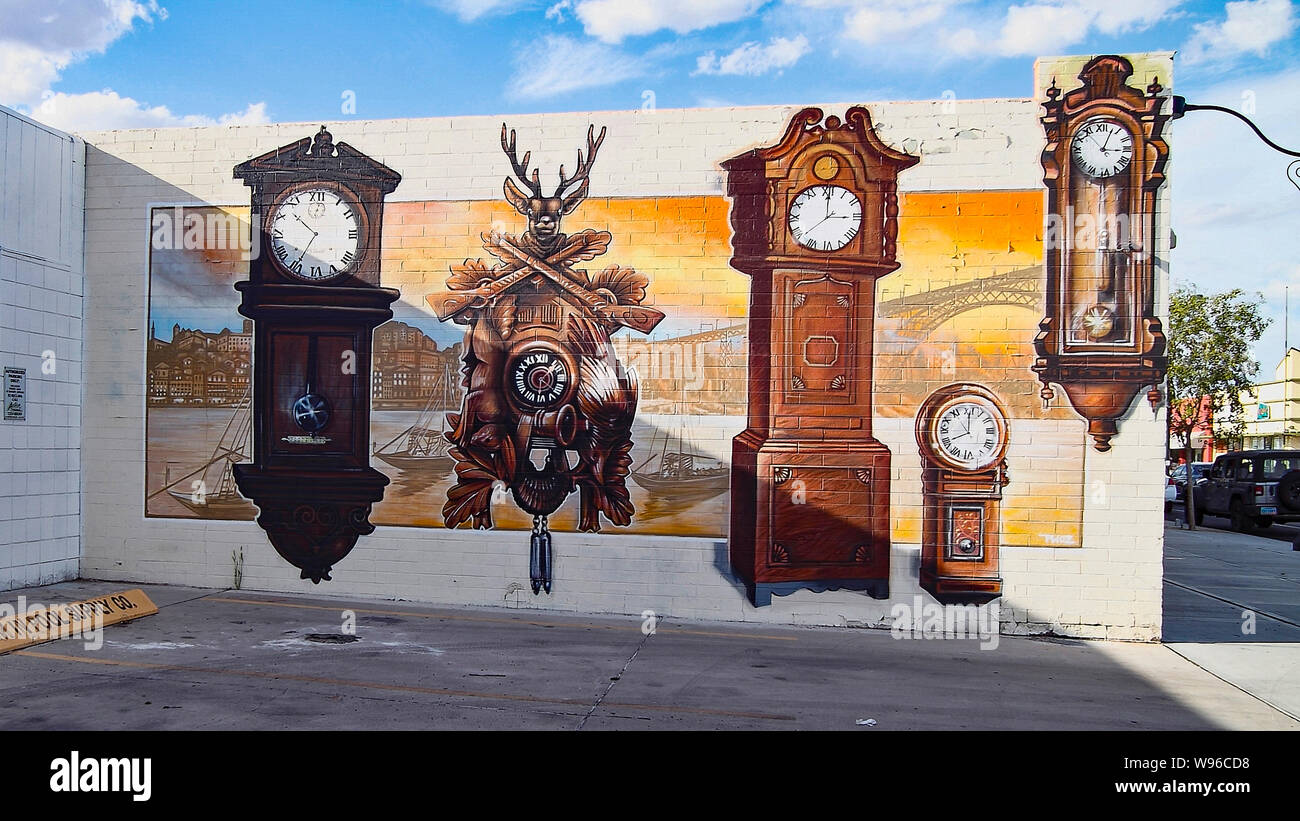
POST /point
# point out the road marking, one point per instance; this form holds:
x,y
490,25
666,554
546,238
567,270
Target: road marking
x,y
401,688
490,620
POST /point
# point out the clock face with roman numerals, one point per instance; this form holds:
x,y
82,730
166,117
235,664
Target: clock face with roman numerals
x,y
825,217
968,433
1101,148
539,378
315,233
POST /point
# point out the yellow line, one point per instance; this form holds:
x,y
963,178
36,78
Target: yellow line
x,y
402,688
488,619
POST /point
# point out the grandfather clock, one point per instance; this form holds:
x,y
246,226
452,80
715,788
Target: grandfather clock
x,y
1101,339
314,297
962,433
815,222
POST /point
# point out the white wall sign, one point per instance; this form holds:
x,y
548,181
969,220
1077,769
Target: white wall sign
x,y
15,393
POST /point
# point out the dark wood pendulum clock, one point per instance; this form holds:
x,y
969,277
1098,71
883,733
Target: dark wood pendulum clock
x,y
1101,340
314,296
815,223
962,433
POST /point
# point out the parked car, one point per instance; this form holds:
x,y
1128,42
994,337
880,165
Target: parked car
x,y
1169,498
1254,488
1178,478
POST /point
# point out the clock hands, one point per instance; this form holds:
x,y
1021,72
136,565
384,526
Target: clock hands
x,y
309,242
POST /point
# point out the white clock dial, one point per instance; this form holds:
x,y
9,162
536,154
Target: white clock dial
x,y
825,217
1101,148
968,434
315,233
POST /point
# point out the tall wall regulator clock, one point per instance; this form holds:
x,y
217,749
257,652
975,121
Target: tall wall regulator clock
x,y
549,407
815,223
1101,340
962,433
314,297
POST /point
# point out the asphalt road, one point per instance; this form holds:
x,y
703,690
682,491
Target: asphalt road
x,y
227,659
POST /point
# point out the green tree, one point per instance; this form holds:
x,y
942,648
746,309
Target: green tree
x,y
1210,365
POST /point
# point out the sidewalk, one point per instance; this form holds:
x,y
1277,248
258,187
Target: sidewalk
x,y
242,660
1218,584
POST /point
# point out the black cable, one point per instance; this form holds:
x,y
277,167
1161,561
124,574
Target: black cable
x,y
1181,106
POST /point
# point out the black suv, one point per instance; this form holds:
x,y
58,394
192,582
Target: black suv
x,y
1254,488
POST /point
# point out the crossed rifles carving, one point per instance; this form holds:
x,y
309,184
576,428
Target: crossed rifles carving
x,y
557,268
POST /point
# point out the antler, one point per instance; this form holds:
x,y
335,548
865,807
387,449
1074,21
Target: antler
x,y
584,168
521,169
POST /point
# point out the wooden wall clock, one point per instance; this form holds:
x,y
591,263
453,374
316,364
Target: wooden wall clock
x,y
549,408
314,297
1101,339
962,432
815,222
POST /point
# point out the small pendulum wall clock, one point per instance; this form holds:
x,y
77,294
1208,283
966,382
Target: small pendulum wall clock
x,y
313,294
962,432
1101,340
815,221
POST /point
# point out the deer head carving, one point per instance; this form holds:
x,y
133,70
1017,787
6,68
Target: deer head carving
x,y
544,213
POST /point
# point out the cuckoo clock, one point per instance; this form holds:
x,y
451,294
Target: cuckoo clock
x,y
549,408
815,222
314,297
1101,340
962,432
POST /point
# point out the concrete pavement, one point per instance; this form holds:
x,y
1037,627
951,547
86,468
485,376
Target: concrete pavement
x,y
1232,606
234,659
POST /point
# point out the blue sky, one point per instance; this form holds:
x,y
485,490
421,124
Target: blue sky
x,y
93,64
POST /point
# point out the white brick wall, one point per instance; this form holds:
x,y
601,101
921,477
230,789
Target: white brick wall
x,y
41,280
1110,587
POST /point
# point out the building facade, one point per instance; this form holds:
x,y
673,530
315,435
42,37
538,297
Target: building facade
x,y
1069,516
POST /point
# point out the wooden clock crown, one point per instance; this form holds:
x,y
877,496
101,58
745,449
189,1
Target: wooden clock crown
x,y
318,161
816,150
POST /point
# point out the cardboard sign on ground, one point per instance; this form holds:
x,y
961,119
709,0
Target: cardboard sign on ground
x,y
23,626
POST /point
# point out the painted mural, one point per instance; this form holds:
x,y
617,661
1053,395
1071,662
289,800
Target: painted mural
x,y
955,350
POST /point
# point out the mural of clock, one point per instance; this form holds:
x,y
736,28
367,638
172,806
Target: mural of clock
x,y
315,232
1101,148
962,433
825,217
968,431
315,299
539,377
815,224
1101,340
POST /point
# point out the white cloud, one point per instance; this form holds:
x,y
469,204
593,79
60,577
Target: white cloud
x,y
556,12
106,110
962,28
613,20
1250,27
753,59
40,38
557,65
1042,28
468,10
885,20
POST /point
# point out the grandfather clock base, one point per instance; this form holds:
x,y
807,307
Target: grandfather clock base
x,y
960,589
809,515
316,531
